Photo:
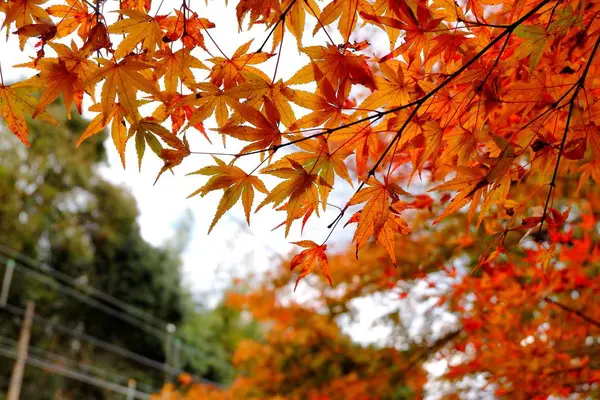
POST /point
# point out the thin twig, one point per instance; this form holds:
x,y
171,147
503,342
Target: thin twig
x,y
573,311
421,100
578,86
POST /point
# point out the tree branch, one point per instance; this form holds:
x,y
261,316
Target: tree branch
x,y
570,310
578,86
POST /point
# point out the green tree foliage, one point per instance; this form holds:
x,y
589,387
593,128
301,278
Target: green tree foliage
x,y
59,208
217,331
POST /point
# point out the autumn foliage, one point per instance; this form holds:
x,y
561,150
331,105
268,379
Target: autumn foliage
x,y
473,125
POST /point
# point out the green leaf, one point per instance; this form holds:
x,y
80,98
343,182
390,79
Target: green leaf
x,y
154,144
140,147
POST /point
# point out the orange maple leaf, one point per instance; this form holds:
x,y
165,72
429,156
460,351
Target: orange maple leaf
x,y
233,71
193,28
235,184
377,218
123,78
73,16
118,130
57,78
347,13
300,186
138,28
266,132
308,259
15,103
341,68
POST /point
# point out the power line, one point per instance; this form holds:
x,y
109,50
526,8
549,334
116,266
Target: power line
x,y
73,374
56,277
86,299
111,348
92,302
99,372
91,291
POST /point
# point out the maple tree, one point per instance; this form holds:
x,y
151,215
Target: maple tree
x,y
483,106
530,331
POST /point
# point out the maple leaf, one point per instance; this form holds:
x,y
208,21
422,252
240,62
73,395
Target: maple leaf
x,y
229,72
258,9
534,44
449,45
347,13
305,212
327,105
308,259
44,29
295,18
319,158
341,68
15,103
123,78
416,27
138,28
176,67
57,79
591,169
118,130
473,181
264,135
22,13
374,218
386,236
193,28
235,184
300,186
147,130
77,62
363,141
210,100
432,138
73,16
386,8
256,89
391,88
176,108
97,39
173,157
139,5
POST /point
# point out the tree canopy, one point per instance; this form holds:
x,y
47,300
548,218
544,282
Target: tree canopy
x,y
470,143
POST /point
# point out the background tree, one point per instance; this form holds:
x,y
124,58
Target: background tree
x,y
524,332
61,210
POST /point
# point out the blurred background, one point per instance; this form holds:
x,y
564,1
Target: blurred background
x,y
110,307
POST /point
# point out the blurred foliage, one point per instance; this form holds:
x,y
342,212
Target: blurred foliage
x,y
55,206
217,331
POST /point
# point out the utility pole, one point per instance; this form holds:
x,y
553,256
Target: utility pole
x,y
8,273
176,357
168,355
16,378
131,388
